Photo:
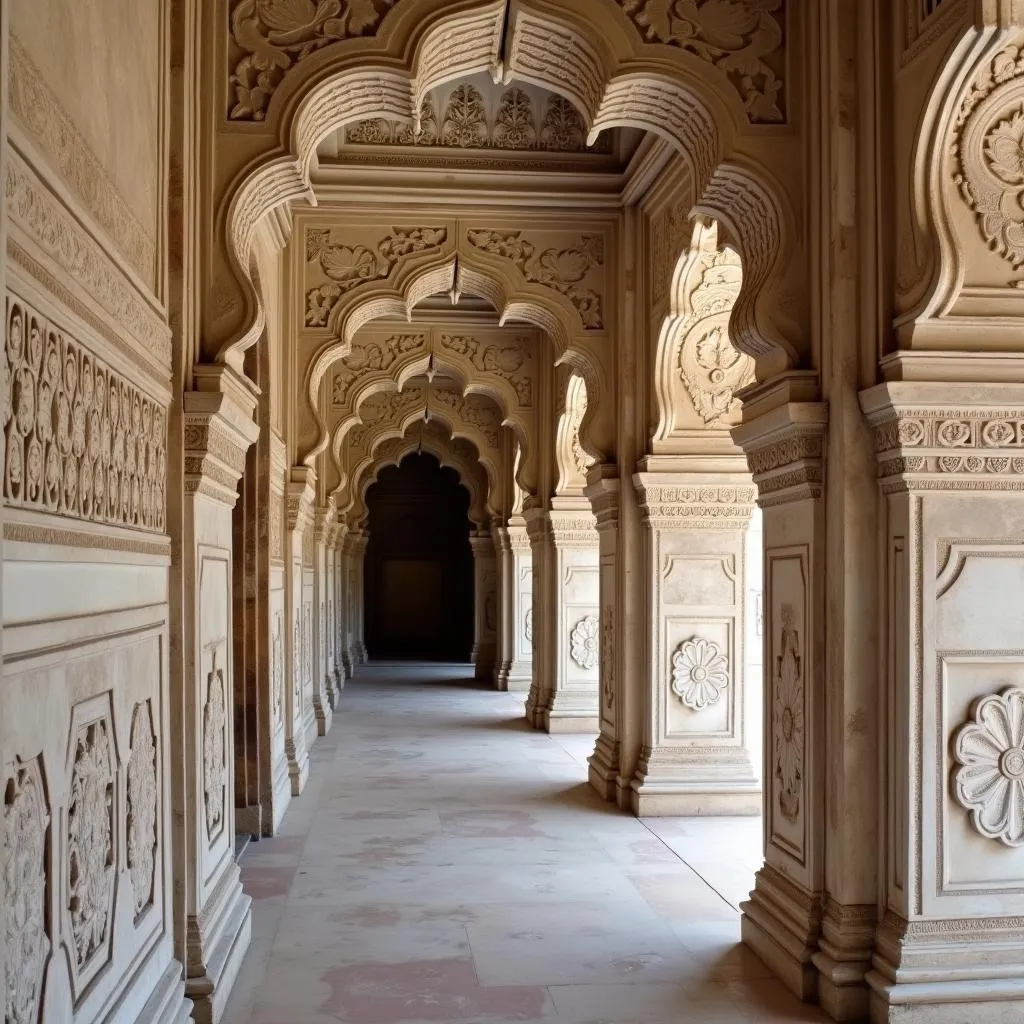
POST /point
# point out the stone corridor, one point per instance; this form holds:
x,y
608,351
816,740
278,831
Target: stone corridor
x,y
447,863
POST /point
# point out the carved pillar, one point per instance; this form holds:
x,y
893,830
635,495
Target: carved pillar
x,y
360,541
696,757
335,680
520,673
341,602
543,615
485,604
299,716
322,681
218,430
348,657
783,435
949,946
603,492
505,641
573,701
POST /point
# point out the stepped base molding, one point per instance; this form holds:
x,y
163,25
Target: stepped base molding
x,y
698,783
275,805
323,711
844,958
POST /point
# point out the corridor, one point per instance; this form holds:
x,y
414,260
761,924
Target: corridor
x,y
446,863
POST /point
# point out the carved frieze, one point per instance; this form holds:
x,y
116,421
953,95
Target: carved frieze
x,y
476,410
215,751
80,440
700,673
572,271
90,845
744,39
513,362
989,782
23,898
367,356
347,266
271,37
788,719
584,642
143,803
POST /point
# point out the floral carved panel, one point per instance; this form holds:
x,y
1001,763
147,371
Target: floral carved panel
x,y
700,673
368,356
512,362
269,38
143,797
80,440
788,719
608,658
90,846
572,271
989,779
277,669
742,38
24,896
346,266
215,767
584,643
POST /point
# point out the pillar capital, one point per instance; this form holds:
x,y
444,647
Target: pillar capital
x,y
218,430
301,493
695,500
603,492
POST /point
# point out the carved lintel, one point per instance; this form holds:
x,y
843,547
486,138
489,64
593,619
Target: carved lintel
x,y
574,528
691,501
947,436
218,430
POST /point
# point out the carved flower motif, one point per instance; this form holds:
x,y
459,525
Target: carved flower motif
x,y
990,780
528,625
700,673
584,642
788,719
1004,148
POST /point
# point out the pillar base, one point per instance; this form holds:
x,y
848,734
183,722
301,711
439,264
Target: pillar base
x,y
520,677
674,800
338,679
695,782
781,924
298,767
844,958
167,1004
347,664
501,673
602,767
949,1002
572,711
361,656
275,804
218,941
553,722
324,715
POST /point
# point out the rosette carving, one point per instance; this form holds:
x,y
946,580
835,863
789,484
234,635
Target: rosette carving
x,y
584,642
700,673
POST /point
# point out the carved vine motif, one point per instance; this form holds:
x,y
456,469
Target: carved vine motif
x,y
990,780
700,673
788,719
90,843
277,668
608,658
142,807
270,37
475,410
23,903
989,152
515,127
562,128
584,642
215,751
743,38
80,440
465,122
509,361
711,367
367,356
560,269
348,266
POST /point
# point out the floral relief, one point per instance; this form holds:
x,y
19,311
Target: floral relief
x,y
512,362
348,266
562,127
90,844
367,356
584,642
528,625
989,782
277,669
608,658
80,440
465,123
788,718
743,38
515,127
270,37
23,909
215,751
563,270
700,672
142,807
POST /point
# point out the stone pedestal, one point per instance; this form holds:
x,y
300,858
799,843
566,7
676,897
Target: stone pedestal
x,y
299,717
783,436
485,604
218,429
520,672
949,946
696,757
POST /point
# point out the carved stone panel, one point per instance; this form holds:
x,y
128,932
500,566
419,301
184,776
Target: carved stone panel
x,y
215,765
24,896
277,669
584,642
700,672
143,804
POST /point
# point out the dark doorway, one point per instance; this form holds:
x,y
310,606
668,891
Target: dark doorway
x,y
419,565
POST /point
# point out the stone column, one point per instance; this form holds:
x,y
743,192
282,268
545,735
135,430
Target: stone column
x,y
696,757
218,429
505,645
348,658
783,435
360,541
543,615
341,602
572,704
520,673
949,946
300,495
603,491
485,603
322,680
334,671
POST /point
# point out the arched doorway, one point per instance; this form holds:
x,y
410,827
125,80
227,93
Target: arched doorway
x,y
419,564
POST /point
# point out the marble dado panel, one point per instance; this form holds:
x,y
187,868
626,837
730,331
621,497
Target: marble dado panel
x,y
80,440
86,897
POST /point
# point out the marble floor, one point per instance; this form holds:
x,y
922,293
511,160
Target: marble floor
x,y
446,863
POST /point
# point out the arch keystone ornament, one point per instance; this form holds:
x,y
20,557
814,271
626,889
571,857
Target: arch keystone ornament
x,y
990,780
700,672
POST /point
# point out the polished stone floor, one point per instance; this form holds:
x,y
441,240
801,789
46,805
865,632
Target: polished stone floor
x,y
446,863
